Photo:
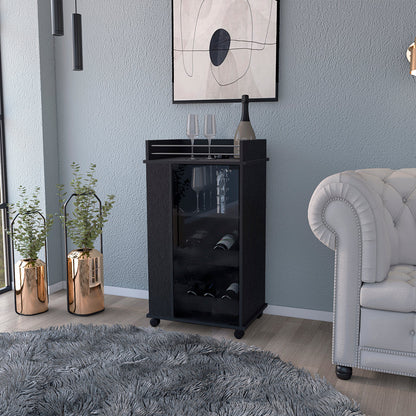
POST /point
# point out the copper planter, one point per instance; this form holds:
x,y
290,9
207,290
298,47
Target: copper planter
x,y
85,282
31,288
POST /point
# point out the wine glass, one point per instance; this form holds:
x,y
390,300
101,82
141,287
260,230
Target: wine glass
x,y
198,183
210,130
206,186
192,131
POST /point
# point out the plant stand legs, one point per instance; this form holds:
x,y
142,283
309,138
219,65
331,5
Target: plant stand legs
x,y
343,373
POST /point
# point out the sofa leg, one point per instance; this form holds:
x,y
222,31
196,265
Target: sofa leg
x,y
344,373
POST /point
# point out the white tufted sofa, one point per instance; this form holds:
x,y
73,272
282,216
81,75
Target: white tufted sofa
x,y
369,218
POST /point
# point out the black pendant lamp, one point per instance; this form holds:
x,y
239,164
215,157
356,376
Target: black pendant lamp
x,y
57,15
77,39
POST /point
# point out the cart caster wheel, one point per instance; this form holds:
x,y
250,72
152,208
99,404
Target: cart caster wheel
x,y
238,333
260,316
154,322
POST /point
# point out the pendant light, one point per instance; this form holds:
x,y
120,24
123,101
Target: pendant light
x,y
77,39
57,15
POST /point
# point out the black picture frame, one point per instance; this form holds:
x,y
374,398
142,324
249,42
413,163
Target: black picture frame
x,y
201,98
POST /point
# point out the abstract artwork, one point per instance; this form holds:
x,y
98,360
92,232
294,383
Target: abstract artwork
x,y
223,49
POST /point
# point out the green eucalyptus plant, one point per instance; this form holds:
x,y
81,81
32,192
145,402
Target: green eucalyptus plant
x,y
29,231
85,223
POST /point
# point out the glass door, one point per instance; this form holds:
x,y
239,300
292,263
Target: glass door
x,y
206,242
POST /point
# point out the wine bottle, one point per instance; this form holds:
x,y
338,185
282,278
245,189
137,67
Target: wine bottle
x,y
226,242
194,290
196,238
231,292
210,290
244,130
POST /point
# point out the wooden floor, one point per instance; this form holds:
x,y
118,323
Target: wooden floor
x,y
305,343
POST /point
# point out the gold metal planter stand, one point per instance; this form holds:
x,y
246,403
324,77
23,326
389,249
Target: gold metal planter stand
x,y
30,281
85,278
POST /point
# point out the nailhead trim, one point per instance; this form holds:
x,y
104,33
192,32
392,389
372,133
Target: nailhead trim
x,y
381,370
391,352
358,308
388,352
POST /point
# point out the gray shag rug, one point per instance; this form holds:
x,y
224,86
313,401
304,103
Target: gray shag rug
x,y
119,371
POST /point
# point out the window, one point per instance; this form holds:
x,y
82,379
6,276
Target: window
x,y
5,281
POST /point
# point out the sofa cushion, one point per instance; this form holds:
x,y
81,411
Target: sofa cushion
x,y
396,293
388,330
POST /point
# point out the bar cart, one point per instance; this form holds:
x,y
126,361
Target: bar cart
x,y
206,232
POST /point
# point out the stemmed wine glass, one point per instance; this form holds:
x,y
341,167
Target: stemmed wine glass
x,y
210,130
192,131
198,183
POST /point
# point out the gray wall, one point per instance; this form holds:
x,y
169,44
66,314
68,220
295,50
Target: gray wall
x,y
28,69
346,101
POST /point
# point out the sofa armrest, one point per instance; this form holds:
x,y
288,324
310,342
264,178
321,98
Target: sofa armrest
x,y
348,217
328,221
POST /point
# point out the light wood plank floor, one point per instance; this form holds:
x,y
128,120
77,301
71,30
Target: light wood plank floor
x,y
305,343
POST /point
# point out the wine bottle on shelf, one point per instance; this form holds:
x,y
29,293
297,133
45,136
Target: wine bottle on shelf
x,y
244,130
227,241
196,238
194,290
210,290
231,292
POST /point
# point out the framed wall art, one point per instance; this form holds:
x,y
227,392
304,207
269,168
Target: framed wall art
x,y
223,49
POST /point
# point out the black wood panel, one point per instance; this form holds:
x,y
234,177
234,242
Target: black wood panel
x,y
159,232
252,239
252,150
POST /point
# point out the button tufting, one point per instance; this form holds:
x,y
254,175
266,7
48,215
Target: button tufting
x,y
412,332
404,200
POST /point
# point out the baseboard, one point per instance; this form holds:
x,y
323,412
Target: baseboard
x,y
56,287
128,293
270,310
299,313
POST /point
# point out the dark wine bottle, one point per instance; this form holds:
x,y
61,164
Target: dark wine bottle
x,y
196,238
244,130
231,292
210,290
227,241
196,289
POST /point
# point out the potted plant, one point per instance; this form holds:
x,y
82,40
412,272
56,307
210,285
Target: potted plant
x,y
83,226
29,230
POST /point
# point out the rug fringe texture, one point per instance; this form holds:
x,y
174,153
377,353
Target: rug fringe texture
x,y
81,370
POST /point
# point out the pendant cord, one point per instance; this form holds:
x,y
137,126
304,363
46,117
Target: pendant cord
x,y
76,6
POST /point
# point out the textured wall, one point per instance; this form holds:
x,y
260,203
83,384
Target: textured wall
x,y
30,110
346,101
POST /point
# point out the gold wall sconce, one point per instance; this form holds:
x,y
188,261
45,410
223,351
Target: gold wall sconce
x,y
411,57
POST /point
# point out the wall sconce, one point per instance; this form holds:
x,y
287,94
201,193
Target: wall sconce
x,y
411,57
